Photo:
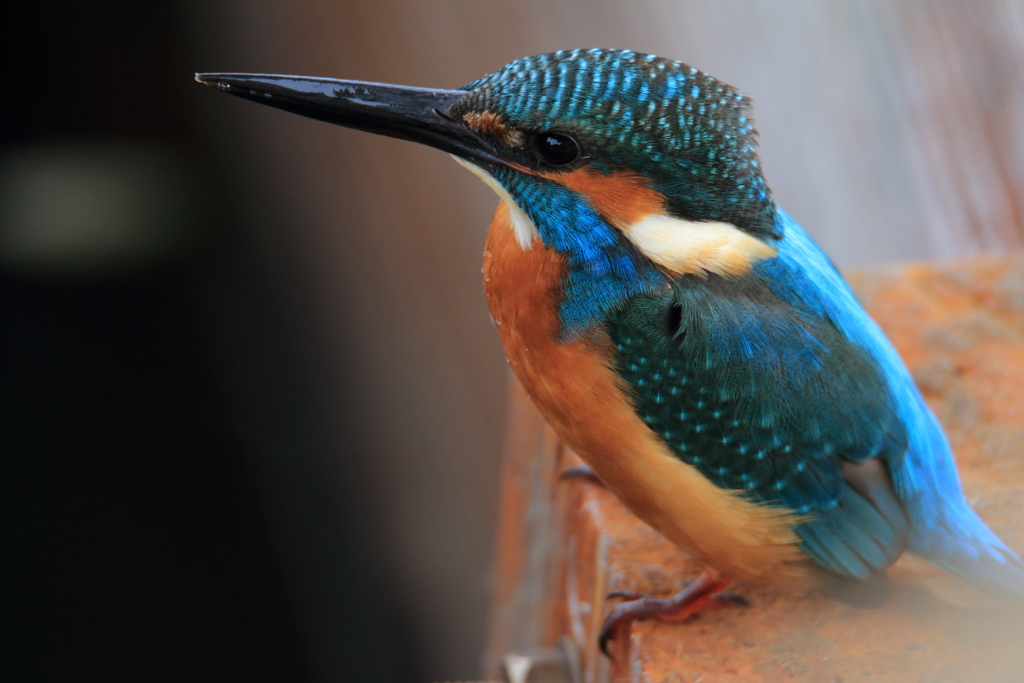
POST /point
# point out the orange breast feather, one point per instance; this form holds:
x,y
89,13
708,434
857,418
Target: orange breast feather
x,y
581,397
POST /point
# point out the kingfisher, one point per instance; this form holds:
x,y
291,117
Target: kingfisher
x,y
679,331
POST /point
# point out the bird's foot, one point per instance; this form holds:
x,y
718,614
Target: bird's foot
x,y
704,594
580,472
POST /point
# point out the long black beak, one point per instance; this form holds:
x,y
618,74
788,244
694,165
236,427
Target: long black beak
x,y
416,114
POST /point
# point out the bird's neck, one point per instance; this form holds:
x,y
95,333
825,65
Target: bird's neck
x,y
601,269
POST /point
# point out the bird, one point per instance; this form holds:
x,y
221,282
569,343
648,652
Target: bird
x,y
680,331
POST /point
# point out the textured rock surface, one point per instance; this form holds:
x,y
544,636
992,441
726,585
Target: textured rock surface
x,y
564,545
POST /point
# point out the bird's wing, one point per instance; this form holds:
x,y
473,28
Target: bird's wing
x,y
943,528
773,401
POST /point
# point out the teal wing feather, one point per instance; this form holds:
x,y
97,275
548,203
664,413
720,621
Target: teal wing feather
x,y
772,401
942,526
779,385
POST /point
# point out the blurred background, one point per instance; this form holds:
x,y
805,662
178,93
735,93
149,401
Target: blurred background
x,y
252,400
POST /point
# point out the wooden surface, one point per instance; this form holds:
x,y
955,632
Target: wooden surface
x,y
565,544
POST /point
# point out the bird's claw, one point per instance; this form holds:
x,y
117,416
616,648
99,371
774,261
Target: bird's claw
x,y
625,613
704,594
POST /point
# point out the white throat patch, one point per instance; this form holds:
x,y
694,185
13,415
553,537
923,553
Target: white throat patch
x,y
526,232
696,247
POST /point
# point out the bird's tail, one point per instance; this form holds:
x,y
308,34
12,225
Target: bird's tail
x,y
1001,576
979,559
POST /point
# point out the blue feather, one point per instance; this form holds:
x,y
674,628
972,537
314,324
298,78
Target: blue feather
x,y
943,527
603,269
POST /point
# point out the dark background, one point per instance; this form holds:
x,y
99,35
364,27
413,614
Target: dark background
x,y
159,399
251,402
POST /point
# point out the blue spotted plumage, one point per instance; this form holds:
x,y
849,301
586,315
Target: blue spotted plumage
x,y
770,399
687,131
701,311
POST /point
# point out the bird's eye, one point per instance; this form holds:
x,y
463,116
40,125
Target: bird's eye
x,y
556,149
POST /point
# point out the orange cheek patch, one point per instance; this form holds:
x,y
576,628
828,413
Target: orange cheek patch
x,y
622,197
